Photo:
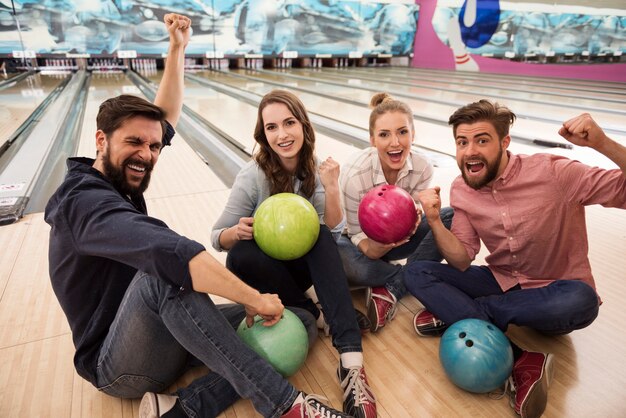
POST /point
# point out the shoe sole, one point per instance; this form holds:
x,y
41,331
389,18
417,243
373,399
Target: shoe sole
x,y
363,322
538,397
372,315
149,407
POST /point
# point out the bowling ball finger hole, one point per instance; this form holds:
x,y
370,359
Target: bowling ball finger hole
x,y
380,194
469,343
462,335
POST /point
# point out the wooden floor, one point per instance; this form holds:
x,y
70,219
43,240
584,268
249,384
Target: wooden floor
x,y
37,378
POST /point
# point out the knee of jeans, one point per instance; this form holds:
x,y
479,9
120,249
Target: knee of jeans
x,y
231,258
130,386
579,293
586,298
242,253
578,302
418,273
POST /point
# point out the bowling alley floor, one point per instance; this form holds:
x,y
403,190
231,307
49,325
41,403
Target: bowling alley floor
x,y
37,377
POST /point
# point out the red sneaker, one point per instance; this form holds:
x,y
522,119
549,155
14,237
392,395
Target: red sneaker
x,y
530,379
427,325
311,407
358,399
381,307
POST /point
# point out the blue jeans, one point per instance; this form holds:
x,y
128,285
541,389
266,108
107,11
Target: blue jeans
x,y
159,333
363,271
320,267
451,295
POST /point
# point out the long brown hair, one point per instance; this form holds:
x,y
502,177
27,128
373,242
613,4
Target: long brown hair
x,y
280,180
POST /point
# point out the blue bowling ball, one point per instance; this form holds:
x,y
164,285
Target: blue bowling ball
x,y
476,355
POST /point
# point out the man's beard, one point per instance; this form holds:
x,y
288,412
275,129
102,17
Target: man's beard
x,y
492,172
117,176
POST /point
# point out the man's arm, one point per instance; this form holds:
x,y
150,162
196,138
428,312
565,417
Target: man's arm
x,y
169,96
448,244
585,132
149,245
209,276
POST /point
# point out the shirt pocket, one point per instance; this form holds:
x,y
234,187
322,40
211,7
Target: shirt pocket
x,y
538,223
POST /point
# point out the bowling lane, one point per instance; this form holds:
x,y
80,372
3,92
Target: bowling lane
x,y
7,76
429,136
102,86
451,100
432,136
238,119
17,102
180,171
355,115
573,84
505,90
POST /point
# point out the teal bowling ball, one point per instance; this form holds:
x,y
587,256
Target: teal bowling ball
x,y
476,355
286,226
284,345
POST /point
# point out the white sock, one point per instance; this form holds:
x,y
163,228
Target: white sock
x,y
310,292
351,359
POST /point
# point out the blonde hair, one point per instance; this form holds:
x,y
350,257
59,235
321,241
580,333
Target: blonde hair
x,y
382,103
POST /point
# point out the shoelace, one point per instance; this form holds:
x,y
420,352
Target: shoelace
x,y
509,387
512,389
312,407
355,383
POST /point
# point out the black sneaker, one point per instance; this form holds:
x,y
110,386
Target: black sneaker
x,y
311,407
358,399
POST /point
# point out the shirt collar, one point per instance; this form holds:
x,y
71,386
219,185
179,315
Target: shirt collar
x,y
510,167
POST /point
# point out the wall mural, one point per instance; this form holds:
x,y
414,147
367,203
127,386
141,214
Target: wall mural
x,y
518,30
222,26
522,38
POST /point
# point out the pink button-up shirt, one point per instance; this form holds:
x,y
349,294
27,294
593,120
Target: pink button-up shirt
x,y
532,218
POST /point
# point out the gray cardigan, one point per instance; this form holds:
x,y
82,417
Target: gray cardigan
x,y
250,189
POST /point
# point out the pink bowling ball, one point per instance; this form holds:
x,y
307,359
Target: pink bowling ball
x,y
387,214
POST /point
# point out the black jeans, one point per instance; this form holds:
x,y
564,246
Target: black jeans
x,y
320,267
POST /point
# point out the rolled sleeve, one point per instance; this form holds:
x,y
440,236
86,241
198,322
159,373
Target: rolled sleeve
x,y
465,233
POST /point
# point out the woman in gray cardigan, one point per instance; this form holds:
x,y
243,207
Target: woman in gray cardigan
x,y
286,162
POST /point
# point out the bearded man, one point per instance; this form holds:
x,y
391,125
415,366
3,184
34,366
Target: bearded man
x,y
529,210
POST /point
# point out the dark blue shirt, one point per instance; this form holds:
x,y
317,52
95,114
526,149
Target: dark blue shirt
x,y
98,241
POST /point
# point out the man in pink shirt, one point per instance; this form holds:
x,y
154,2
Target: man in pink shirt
x,y
534,276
